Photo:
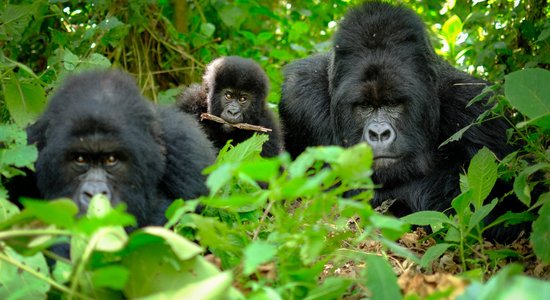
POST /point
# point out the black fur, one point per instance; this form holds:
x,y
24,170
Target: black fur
x,y
383,71
239,75
160,153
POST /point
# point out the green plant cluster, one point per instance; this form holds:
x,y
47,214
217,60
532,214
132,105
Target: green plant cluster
x,y
281,229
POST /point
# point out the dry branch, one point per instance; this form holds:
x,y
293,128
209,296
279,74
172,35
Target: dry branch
x,y
244,126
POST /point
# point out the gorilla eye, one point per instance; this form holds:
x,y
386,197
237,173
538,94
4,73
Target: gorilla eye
x,y
228,95
111,160
80,159
242,99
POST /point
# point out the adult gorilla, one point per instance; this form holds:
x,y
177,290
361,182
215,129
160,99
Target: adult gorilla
x,y
383,84
98,135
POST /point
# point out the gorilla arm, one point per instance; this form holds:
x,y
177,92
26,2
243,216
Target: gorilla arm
x,y
305,104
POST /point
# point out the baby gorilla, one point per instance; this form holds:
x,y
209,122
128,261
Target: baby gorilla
x,y
235,89
98,135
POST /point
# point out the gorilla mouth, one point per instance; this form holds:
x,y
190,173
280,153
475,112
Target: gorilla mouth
x,y
384,161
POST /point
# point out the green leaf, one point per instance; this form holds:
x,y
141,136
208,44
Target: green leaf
x,y
155,268
451,29
432,253
482,175
521,185
528,91
24,101
380,279
426,218
232,15
70,61
540,237
14,20
332,288
262,170
355,162
257,253
208,29
19,155
457,135
114,277
59,212
7,209
183,248
481,213
542,121
16,283
95,61
298,30
211,288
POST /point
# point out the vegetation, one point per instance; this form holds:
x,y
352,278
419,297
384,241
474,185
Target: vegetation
x,y
295,235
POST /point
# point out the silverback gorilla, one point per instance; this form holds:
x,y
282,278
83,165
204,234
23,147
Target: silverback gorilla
x,y
98,135
235,89
384,85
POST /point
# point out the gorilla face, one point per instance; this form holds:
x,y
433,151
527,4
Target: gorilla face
x,y
387,98
100,137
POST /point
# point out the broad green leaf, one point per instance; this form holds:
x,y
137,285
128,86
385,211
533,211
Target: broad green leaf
x,y
155,268
482,175
262,169
391,227
540,237
110,239
70,61
331,288
297,31
461,204
451,29
521,186
238,202
208,29
24,101
528,91
211,288
183,248
314,242
257,253
19,155
16,283
14,20
380,279
59,212
426,218
355,162
220,177
433,252
7,209
542,121
232,15
95,61
113,276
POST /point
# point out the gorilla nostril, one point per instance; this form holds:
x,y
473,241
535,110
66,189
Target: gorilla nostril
x,y
373,136
385,135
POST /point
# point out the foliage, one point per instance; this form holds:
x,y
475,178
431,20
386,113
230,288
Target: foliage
x,y
281,229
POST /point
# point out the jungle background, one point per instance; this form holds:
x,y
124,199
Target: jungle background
x,y
262,244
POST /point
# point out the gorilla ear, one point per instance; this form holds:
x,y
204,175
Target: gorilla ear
x,y
36,133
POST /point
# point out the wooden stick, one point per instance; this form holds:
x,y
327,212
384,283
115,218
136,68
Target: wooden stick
x,y
244,126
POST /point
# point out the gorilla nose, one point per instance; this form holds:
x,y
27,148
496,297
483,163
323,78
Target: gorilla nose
x,y
91,188
379,134
233,111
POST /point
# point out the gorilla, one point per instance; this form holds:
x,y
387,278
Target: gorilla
x,y
235,89
98,135
383,84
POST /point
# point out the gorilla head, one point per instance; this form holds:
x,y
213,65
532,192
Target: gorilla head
x,y
99,136
383,87
237,88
